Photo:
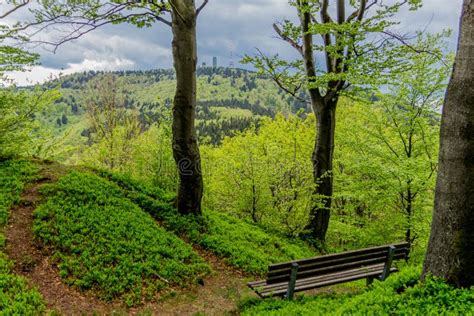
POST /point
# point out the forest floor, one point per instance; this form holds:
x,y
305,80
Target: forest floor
x,y
218,294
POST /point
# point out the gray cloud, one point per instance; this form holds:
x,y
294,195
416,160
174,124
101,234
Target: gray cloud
x,y
224,26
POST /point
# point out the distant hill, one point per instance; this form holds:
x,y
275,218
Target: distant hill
x,y
229,100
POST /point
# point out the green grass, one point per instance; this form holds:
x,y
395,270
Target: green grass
x,y
106,243
14,175
242,244
400,294
16,298
248,246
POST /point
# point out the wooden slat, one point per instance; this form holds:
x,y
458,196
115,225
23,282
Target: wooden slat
x,y
400,254
336,256
350,258
324,283
262,285
328,269
331,269
327,277
256,283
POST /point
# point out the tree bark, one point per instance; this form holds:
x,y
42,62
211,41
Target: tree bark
x,y
325,110
185,144
322,158
408,213
450,252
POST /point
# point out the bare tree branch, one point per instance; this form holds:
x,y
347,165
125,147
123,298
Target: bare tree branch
x,y
163,20
404,40
308,49
24,3
293,92
359,14
325,18
277,75
287,39
341,11
82,29
324,12
204,3
83,19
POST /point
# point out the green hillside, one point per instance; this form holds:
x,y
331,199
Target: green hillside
x,y
120,240
229,100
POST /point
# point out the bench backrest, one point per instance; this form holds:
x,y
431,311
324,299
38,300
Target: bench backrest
x,y
335,262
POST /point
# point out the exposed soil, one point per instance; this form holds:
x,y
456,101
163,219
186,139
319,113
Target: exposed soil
x,y
218,294
34,263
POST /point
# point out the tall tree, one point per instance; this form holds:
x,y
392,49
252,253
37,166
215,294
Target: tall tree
x,y
17,108
112,126
356,49
407,133
12,57
85,16
450,252
185,146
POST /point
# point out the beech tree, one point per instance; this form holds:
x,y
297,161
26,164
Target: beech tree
x,y
17,108
337,55
112,126
450,252
409,128
82,17
12,57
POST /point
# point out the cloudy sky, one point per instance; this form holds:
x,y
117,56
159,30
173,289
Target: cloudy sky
x,y
227,29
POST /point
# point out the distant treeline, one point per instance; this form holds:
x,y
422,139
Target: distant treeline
x,y
78,80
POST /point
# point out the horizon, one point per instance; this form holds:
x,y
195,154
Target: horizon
x,y
242,28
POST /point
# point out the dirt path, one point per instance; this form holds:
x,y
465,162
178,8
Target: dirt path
x,y
34,263
218,294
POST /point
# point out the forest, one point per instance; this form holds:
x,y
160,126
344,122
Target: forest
x,y
174,191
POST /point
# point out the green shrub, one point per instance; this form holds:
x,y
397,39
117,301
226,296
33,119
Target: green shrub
x,y
400,294
247,246
106,243
14,174
16,298
242,244
132,185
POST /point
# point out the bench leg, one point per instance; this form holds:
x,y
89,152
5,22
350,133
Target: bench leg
x,y
388,263
370,281
291,285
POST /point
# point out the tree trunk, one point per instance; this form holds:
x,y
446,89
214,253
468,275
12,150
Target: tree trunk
x,y
322,168
450,252
408,199
325,110
185,145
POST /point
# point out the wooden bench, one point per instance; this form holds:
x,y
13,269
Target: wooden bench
x,y
284,279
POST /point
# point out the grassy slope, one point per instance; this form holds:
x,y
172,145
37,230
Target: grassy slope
x,y
15,295
105,243
242,244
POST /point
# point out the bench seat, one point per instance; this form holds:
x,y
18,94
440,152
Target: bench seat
x,y
283,279
263,289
